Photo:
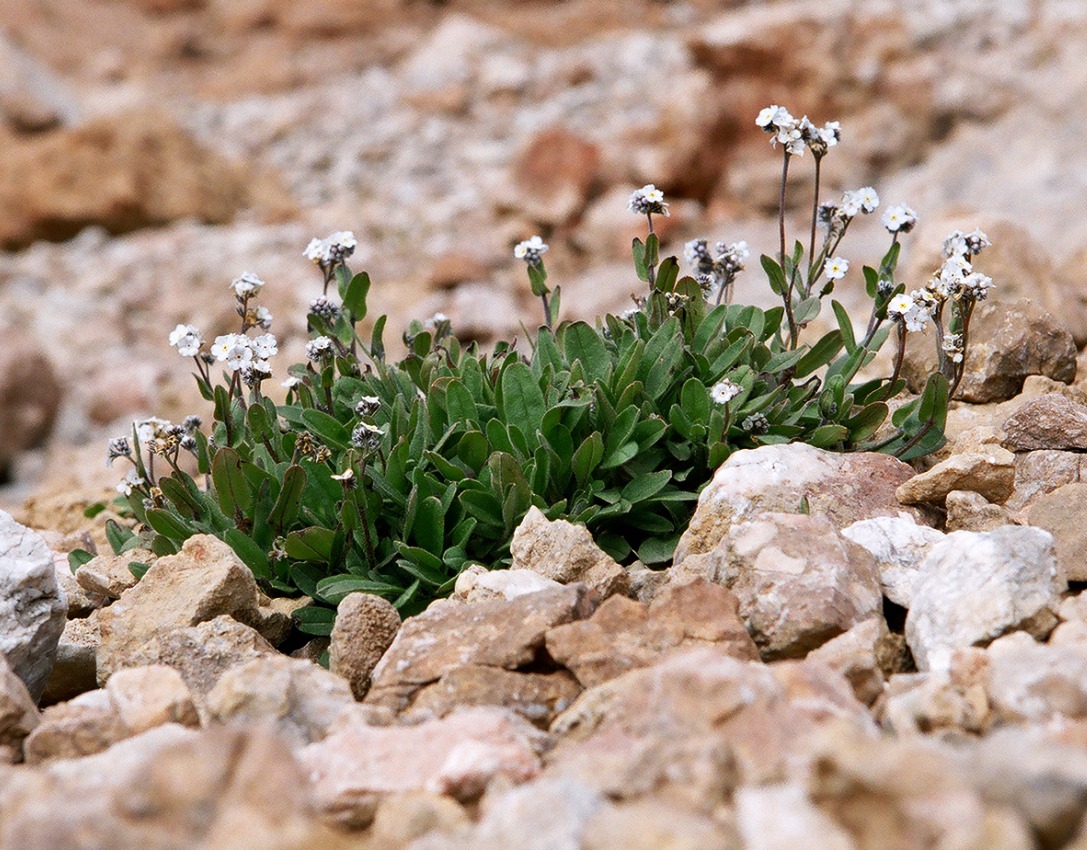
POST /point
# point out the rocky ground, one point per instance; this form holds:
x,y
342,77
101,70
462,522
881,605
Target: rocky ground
x,y
848,652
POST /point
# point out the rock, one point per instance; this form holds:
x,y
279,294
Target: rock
x,y
538,697
80,602
1040,472
969,511
1049,422
799,582
448,635
401,818
365,628
32,608
782,817
866,655
928,703
204,581
133,701
357,765
650,824
201,654
697,724
554,174
109,575
899,545
477,584
544,815
1008,342
32,98
18,714
75,670
843,488
121,171
1061,513
301,699
170,787
30,394
975,586
1032,682
454,268
623,634
990,473
566,553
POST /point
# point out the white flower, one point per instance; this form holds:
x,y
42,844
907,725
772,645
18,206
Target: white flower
x,y
291,382
316,252
435,321
911,310
264,346
530,250
831,133
900,304
131,480
977,241
319,348
187,340
647,200
366,435
952,346
150,428
246,284
368,405
724,391
899,219
334,248
836,268
977,285
263,317
234,350
868,198
850,205
955,269
766,116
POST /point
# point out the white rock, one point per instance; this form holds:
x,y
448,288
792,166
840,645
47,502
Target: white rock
x,y
781,817
32,606
975,586
899,545
509,584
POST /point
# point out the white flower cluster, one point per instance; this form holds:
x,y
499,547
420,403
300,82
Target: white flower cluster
x,y
797,135
240,352
966,244
368,405
131,481
649,200
187,340
725,391
899,219
366,436
911,310
331,250
530,250
853,203
319,348
716,269
246,285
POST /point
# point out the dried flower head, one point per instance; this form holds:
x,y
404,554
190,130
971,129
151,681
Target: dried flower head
x,y
117,447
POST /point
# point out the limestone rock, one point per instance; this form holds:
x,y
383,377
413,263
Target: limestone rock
x,y
1040,472
1052,421
1062,513
623,634
940,700
150,696
969,511
975,586
401,818
477,583
1035,682
32,98
109,575
365,628
564,552
300,698
991,473
843,488
32,607
493,633
204,581
649,823
18,714
74,671
1008,342
799,582
899,545
781,817
459,755
866,655
554,174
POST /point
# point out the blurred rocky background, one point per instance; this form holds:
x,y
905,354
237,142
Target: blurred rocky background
x,y
152,150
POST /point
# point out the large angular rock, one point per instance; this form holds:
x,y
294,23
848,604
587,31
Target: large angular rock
x,y
448,635
969,511
74,672
30,394
301,699
1062,513
623,634
18,714
365,627
866,655
1043,471
990,473
793,478
799,581
975,586
1052,421
566,553
1008,342
204,581
1031,682
357,765
899,545
109,575
32,606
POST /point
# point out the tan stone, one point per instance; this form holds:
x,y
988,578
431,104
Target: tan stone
x,y
74,671
554,174
1040,472
969,511
18,714
990,473
109,575
1061,513
623,634
866,655
30,394
145,697
80,727
365,628
1050,422
650,825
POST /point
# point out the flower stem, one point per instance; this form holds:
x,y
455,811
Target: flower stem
x,y
814,219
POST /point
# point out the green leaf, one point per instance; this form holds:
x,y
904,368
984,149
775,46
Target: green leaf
x,y
667,275
310,544
820,354
138,569
827,436
459,404
582,342
775,274
640,265
645,486
250,553
430,525
93,510
845,325
315,620
168,525
806,310
334,588
867,422
330,432
354,296
120,538
658,551
587,457
78,557
184,501
522,399
289,502
231,486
